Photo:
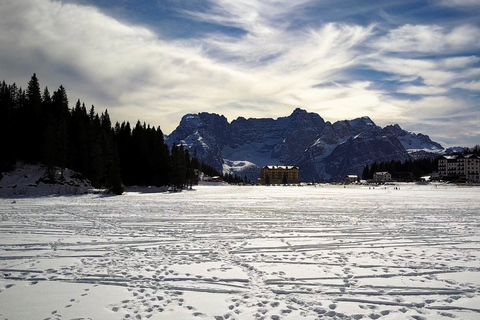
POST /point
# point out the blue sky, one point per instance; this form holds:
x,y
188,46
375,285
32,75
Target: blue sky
x,y
415,63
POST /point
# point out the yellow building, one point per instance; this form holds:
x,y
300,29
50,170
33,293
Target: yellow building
x,y
280,175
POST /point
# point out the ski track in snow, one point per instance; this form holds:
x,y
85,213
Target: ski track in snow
x,y
244,253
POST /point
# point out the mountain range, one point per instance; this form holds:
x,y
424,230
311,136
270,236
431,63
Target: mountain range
x,y
323,151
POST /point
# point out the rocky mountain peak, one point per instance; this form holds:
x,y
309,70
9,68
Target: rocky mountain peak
x,y
414,143
322,150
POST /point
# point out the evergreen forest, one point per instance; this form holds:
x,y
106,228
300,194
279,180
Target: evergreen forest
x,y
39,127
411,170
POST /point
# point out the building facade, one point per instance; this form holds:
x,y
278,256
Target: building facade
x,y
460,167
381,177
280,175
351,178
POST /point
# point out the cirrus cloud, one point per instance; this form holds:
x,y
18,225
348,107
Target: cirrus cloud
x,y
254,59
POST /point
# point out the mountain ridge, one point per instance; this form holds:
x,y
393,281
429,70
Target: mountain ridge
x,y
324,151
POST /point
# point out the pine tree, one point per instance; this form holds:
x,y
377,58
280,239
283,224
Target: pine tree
x,y
34,97
59,124
46,98
37,126
80,133
112,167
366,173
30,112
178,166
8,123
123,136
476,150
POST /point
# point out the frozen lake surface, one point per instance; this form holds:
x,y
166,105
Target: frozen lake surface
x,y
224,252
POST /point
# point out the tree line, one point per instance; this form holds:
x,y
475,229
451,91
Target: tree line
x,y
475,150
410,169
38,126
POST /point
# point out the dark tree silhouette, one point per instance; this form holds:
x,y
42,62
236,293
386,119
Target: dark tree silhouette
x,y
38,126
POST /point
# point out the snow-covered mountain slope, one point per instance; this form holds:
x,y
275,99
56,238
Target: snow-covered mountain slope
x,y
322,150
35,180
417,145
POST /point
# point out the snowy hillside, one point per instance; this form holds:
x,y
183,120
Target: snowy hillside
x,y
34,180
417,145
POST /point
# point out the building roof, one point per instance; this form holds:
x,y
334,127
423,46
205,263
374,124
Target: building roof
x,y
460,156
472,156
451,157
280,167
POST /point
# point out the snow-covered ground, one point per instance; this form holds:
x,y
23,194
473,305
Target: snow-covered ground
x,y
224,252
34,180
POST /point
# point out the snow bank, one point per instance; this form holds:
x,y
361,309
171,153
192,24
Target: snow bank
x,y
34,180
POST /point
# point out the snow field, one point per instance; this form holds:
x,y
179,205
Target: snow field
x,y
324,252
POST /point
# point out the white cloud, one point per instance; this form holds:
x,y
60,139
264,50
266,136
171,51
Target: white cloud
x,y
467,4
463,37
409,37
258,18
430,39
114,65
357,103
443,118
266,72
459,62
422,90
472,85
111,63
429,70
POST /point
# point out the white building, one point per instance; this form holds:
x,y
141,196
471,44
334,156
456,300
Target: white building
x,y
351,178
382,177
460,167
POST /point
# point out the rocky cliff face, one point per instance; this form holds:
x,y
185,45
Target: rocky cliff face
x,y
322,150
417,145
